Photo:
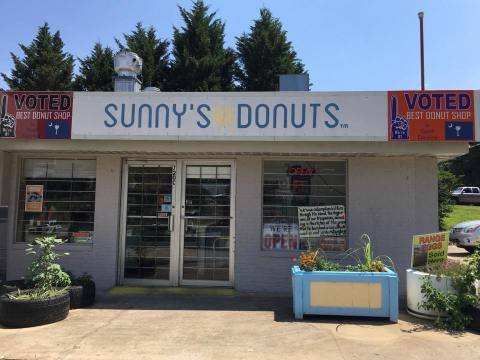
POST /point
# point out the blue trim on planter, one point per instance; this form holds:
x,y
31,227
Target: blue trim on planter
x,y
301,292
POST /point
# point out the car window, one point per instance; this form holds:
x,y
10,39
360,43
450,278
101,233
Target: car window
x,y
475,190
467,191
458,189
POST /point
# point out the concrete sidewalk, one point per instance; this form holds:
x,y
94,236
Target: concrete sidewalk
x,y
227,327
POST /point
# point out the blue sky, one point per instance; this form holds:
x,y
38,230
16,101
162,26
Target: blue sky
x,y
345,44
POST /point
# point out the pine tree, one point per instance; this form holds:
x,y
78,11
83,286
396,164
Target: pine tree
x,y
152,50
45,65
265,53
200,60
96,70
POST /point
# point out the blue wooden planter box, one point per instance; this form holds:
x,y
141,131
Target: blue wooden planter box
x,y
345,293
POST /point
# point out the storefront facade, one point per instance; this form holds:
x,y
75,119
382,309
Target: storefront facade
x,y
203,189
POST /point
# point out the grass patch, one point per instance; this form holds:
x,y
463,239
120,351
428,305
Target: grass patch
x,y
462,213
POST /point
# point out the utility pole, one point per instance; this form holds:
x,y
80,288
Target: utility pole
x,y
422,68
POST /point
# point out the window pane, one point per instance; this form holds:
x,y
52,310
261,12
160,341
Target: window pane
x,y
288,185
57,194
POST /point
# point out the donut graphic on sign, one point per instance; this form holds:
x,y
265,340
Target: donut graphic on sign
x,y
8,123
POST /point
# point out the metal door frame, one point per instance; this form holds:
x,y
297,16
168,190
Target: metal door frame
x,y
177,235
174,234
231,271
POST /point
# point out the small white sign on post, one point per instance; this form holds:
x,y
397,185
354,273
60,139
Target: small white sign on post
x,y
314,221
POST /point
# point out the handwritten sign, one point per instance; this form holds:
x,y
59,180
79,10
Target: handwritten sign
x,y
429,249
321,220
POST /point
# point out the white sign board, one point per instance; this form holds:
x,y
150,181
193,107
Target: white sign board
x,y
314,221
271,116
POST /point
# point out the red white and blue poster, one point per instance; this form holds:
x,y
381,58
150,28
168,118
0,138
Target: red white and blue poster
x,y
36,115
439,115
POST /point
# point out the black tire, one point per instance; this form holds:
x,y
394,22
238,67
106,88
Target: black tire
x,y
27,313
76,296
4,289
475,314
88,294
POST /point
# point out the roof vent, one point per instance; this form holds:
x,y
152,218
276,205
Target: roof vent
x,y
127,65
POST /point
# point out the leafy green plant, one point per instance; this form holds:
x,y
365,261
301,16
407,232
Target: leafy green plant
x,y
453,304
364,259
83,279
447,181
45,273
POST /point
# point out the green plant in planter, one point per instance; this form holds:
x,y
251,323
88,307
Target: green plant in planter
x,y
46,274
454,304
365,259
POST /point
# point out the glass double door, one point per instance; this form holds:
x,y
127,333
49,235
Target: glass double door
x,y
178,223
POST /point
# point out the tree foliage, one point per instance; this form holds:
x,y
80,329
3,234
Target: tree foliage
x,y
466,167
153,51
447,181
265,53
96,70
200,60
44,66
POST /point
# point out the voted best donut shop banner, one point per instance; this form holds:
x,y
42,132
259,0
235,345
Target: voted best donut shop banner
x,y
269,116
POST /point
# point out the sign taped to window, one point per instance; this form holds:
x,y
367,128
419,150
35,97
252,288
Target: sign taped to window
x,y
280,236
321,220
33,198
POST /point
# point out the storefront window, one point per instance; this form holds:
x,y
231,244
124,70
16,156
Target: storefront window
x,y
58,195
318,188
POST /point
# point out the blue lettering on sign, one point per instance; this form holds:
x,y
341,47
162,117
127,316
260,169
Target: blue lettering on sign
x,y
260,116
438,101
206,120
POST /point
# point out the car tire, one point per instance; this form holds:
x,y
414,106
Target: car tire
x,y
27,313
76,296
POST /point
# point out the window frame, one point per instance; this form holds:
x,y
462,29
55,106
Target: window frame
x,y
20,167
290,252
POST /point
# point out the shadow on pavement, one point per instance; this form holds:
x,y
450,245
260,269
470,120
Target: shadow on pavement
x,y
280,306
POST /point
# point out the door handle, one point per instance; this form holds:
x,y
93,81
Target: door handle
x,y
171,223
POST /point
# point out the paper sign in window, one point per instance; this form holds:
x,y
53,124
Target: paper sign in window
x,y
33,198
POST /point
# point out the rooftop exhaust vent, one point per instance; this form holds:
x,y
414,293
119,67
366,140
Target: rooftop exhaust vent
x,y
127,65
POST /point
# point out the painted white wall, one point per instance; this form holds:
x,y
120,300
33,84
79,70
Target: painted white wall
x,y
100,258
390,198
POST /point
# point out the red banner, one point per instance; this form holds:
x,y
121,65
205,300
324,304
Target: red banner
x,y
439,115
36,115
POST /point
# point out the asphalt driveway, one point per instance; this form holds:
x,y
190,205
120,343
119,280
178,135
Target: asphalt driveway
x,y
226,327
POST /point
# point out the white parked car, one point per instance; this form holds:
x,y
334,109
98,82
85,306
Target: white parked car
x,y
466,195
466,235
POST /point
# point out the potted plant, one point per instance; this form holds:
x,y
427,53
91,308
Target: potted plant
x,y
447,293
368,288
47,301
82,290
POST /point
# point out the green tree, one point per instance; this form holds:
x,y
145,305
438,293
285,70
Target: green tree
x,y
153,51
467,166
265,53
200,60
96,70
447,181
45,66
